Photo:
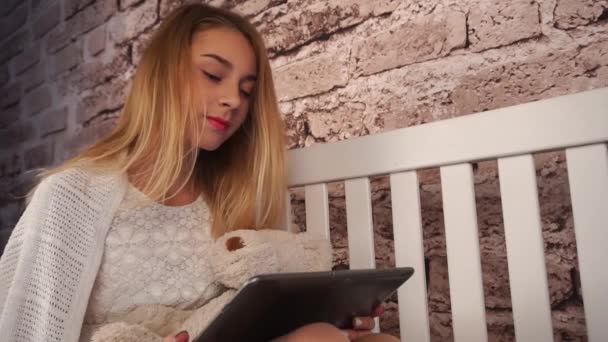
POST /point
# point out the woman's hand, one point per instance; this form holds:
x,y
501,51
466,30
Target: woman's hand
x,y
363,325
182,336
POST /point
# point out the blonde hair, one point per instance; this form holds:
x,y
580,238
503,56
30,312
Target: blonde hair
x,y
244,181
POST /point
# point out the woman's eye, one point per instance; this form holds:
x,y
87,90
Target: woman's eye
x,y
246,94
212,76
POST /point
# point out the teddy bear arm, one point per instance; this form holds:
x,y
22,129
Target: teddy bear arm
x,y
119,332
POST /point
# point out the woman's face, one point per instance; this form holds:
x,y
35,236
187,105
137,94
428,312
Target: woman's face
x,y
225,66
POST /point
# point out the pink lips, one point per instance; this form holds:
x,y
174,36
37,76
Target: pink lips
x,y
218,123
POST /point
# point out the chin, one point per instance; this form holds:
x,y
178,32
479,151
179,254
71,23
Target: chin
x,y
210,146
209,149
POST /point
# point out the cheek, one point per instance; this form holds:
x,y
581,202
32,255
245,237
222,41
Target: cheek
x,y
242,113
206,93
238,122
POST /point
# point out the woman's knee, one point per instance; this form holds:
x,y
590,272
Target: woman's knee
x,y
322,332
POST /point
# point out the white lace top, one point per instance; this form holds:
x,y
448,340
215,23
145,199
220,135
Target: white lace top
x,y
154,254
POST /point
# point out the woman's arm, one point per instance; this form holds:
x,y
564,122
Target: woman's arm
x,y
51,260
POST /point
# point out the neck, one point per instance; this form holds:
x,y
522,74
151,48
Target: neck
x,y
186,195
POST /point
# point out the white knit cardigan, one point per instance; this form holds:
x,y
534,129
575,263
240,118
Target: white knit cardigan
x,y
52,258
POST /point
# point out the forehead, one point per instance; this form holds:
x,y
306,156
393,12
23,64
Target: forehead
x,y
227,43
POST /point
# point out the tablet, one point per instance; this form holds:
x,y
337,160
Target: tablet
x,y
272,305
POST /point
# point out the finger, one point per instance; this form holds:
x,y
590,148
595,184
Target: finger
x,y
364,323
169,339
350,334
355,334
182,336
379,310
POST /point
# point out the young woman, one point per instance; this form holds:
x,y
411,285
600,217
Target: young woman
x,y
198,151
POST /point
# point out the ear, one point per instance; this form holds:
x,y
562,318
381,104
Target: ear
x,y
234,243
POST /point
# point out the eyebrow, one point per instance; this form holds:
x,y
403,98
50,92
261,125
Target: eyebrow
x,y
227,64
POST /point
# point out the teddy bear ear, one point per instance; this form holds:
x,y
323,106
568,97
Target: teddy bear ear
x,y
234,243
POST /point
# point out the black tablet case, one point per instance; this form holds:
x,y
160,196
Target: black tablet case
x,y
270,306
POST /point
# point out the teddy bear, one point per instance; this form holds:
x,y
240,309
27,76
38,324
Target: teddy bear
x,y
235,257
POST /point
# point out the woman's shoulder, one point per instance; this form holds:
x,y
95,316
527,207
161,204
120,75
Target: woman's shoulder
x,y
83,179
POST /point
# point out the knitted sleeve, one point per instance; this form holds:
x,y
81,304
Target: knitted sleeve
x,y
49,264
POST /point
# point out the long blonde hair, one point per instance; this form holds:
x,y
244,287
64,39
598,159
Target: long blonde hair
x,y
244,181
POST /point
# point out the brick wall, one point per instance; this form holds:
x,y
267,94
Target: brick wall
x,y
342,68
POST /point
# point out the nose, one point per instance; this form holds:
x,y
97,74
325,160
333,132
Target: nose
x,y
230,97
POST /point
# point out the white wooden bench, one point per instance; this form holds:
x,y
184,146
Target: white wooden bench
x,y
575,123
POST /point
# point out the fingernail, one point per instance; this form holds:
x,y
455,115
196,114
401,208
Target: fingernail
x,y
358,322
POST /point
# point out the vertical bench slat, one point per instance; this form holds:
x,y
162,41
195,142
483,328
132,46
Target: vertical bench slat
x,y
409,252
525,249
359,224
317,209
588,177
462,245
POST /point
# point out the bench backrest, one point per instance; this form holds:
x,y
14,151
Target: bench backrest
x,y
575,123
